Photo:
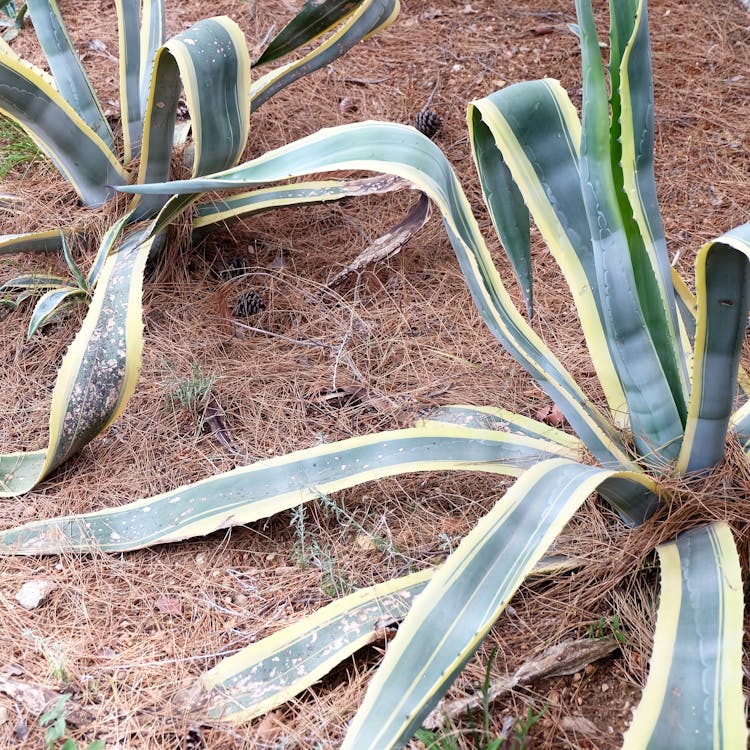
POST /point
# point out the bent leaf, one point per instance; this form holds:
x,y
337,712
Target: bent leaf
x,y
369,17
82,157
249,493
271,671
722,282
402,151
70,78
98,373
468,593
693,697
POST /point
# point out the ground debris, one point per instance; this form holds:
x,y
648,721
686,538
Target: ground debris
x,y
564,658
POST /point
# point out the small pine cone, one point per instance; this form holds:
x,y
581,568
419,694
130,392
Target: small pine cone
x,y
428,121
249,304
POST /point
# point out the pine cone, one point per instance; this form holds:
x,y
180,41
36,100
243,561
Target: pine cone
x,y
428,121
250,303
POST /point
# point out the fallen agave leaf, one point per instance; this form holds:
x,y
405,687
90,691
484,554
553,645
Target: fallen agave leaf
x,y
390,243
567,657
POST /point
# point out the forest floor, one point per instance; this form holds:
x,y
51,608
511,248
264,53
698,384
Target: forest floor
x,y
393,341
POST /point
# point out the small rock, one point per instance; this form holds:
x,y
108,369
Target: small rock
x,y
4,715
33,593
200,558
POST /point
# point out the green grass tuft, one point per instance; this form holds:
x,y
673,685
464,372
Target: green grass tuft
x,y
16,147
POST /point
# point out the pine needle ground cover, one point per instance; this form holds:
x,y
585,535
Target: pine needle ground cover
x,y
303,382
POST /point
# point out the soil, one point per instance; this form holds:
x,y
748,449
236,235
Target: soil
x,y
402,336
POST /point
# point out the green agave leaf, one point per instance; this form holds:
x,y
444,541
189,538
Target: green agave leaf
x,y
36,281
534,130
128,26
300,193
632,150
47,241
153,36
369,17
693,697
108,242
402,151
508,211
271,671
655,416
82,157
740,423
315,18
51,306
80,279
468,593
98,373
70,78
257,491
211,60
491,418
723,291
275,669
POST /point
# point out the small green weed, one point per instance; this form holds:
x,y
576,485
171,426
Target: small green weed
x,y
306,551
16,147
58,730
604,627
190,393
524,725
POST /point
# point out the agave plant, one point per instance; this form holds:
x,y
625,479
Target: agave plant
x,y
63,116
668,364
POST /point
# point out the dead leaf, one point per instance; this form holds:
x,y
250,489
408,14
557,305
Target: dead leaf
x,y
551,415
580,725
38,698
213,422
348,104
269,729
388,244
562,659
556,417
169,605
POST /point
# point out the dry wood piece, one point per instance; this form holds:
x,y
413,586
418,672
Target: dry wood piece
x,y
567,657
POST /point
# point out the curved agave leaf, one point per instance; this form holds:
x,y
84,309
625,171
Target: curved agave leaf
x,y
70,78
491,418
316,17
36,281
271,671
128,26
402,151
47,241
740,422
655,409
258,491
82,157
468,593
632,148
369,17
153,35
532,131
98,373
723,289
52,305
320,191
211,60
693,697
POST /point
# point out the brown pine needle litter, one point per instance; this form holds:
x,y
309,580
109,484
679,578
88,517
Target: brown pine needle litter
x,y
401,335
